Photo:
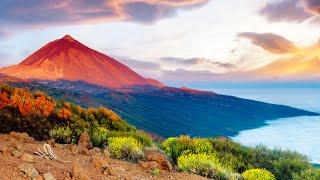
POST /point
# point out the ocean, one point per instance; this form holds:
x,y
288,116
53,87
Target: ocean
x,y
301,134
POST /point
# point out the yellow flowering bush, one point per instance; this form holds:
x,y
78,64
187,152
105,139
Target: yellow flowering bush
x,y
201,164
125,148
258,174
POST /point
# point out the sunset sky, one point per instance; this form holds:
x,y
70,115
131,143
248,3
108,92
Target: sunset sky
x,y
168,38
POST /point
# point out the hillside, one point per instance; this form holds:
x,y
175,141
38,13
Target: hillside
x,y
94,164
171,111
96,143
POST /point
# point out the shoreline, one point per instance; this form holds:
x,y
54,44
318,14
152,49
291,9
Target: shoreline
x,y
284,137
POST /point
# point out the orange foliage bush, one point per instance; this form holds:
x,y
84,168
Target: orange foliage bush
x,y
22,99
109,114
4,99
28,104
43,106
64,113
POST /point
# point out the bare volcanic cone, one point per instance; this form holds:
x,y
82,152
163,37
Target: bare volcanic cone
x,y
68,59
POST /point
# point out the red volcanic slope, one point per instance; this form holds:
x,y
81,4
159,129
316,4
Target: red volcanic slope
x,y
68,59
154,82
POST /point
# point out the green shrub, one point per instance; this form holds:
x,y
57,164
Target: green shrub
x,y
201,145
201,164
283,164
126,148
155,172
99,136
140,136
258,174
62,134
231,154
309,174
36,126
175,147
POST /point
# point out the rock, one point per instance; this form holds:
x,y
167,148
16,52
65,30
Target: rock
x,y
96,150
74,149
28,169
68,174
79,173
38,178
106,152
48,176
100,162
4,149
161,159
51,142
115,171
84,141
150,165
86,152
21,137
27,158
16,153
60,146
17,146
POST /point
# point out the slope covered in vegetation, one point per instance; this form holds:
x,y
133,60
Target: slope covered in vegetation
x,y
171,111
43,117
220,158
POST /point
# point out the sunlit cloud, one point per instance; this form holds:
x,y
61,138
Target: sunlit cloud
x,y
285,10
4,34
198,63
291,10
183,75
312,6
271,42
47,12
145,68
169,38
301,64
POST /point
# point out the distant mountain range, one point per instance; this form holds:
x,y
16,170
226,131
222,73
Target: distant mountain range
x,y
69,70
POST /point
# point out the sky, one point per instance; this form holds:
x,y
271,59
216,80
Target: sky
x,y
168,40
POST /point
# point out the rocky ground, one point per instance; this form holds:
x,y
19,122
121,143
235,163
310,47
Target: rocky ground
x,y
19,161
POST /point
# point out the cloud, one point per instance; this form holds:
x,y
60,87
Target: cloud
x,y
182,75
159,70
5,58
286,10
4,34
138,64
312,6
144,12
196,61
145,68
271,42
61,12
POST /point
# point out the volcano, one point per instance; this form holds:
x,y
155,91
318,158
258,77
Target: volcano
x,y
68,59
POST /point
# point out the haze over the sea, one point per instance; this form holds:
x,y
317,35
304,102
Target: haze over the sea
x,y
298,133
